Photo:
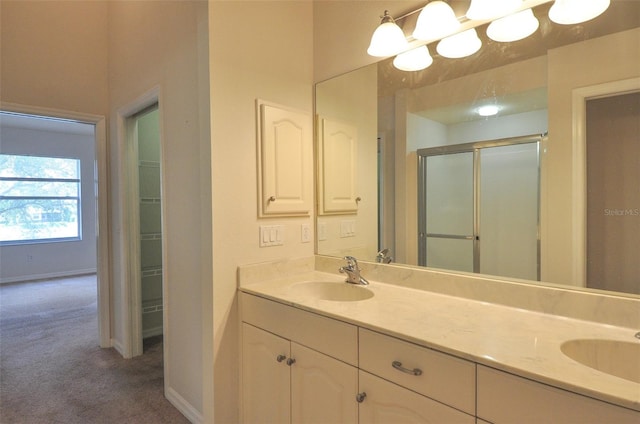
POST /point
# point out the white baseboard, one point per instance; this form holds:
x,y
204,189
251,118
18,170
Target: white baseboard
x,y
46,276
191,413
150,332
118,347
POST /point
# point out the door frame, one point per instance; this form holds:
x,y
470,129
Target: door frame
x,y
103,258
579,98
131,286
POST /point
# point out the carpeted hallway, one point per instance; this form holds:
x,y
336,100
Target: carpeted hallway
x,y
53,371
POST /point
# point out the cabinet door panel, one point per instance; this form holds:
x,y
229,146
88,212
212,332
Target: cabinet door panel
x,y
386,403
323,389
265,381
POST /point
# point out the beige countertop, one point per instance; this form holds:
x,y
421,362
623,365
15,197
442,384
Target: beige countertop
x,y
519,341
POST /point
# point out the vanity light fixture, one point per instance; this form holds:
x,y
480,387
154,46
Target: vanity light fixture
x,y
509,20
568,12
435,21
488,110
459,45
388,39
486,10
413,60
513,27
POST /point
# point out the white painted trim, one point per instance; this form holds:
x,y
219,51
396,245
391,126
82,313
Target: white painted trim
x,y
183,406
47,276
102,219
131,285
579,97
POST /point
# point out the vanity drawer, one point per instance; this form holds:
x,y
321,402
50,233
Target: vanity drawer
x,y
443,377
329,336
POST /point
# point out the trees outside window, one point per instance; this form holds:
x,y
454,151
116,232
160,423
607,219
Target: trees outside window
x,y
39,199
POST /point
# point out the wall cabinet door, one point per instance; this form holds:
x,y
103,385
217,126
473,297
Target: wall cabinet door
x,y
285,146
337,167
266,394
323,389
386,402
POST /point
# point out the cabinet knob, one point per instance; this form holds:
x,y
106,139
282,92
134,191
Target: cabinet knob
x,y
398,365
360,397
280,358
291,361
271,199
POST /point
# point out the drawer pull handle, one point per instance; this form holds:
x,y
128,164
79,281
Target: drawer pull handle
x,y
291,361
360,397
280,358
398,365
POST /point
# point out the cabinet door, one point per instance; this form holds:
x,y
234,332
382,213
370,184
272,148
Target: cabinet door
x,y
265,377
285,162
337,167
386,403
323,389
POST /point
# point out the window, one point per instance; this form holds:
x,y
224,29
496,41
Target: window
x,y
39,199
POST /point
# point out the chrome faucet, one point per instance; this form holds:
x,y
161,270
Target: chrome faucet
x,y
384,257
353,271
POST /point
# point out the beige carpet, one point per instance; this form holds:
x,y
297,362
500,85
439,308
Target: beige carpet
x,y
53,371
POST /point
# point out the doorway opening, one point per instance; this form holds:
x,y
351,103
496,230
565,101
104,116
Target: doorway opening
x,y
146,263
51,212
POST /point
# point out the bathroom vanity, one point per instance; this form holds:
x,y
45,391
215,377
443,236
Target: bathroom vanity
x,y
316,349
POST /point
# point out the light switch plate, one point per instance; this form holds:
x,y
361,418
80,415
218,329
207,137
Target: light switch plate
x,y
271,235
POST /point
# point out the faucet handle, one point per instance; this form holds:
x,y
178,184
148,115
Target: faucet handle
x,y
351,262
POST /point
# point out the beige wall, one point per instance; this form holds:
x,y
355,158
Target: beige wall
x,y
160,44
257,50
54,55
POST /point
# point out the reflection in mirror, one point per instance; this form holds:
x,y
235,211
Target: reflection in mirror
x,y
542,84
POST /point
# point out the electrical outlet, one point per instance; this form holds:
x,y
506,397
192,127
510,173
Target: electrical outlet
x,y
305,233
322,231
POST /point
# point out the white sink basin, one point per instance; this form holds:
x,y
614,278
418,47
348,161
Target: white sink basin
x,y
338,292
618,358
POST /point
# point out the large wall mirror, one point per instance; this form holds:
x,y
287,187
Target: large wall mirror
x,y
545,190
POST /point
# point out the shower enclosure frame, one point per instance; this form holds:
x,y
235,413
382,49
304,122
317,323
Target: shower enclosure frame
x,y
475,148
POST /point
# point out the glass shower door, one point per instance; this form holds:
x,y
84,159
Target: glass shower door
x,y
447,235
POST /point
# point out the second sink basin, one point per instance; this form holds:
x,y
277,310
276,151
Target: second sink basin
x,y
339,292
614,357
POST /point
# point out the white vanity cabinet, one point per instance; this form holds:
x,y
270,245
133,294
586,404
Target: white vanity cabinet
x,y
298,374
506,398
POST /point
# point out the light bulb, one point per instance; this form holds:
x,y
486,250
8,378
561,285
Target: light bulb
x,y
569,12
388,39
460,45
513,27
488,110
483,10
436,20
414,60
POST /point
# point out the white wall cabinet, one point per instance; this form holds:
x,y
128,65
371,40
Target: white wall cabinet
x,y
337,167
285,150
